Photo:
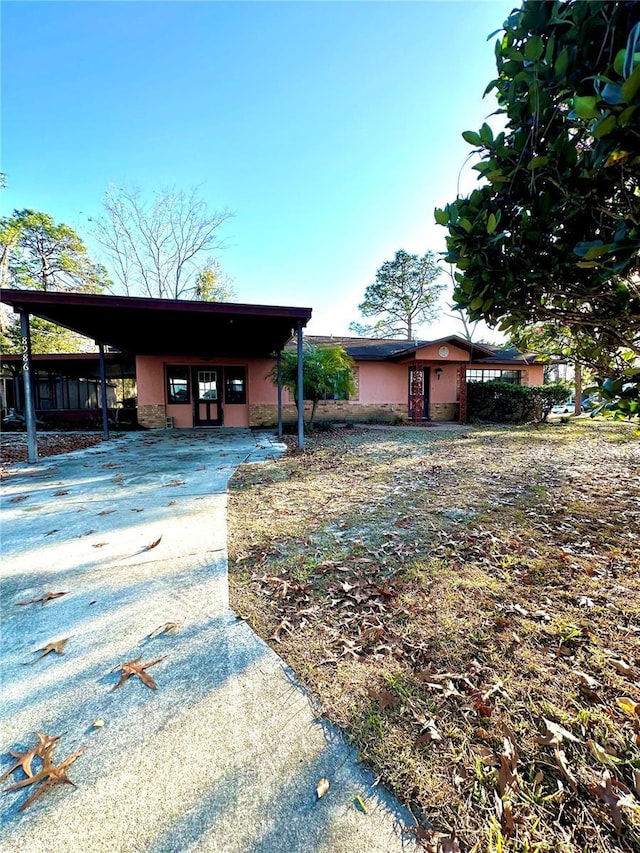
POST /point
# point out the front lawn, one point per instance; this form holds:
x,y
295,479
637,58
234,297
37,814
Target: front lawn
x,y
466,606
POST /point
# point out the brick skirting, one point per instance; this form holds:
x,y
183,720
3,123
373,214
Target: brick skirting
x,y
266,415
152,417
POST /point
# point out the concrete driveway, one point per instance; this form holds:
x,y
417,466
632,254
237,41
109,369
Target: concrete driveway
x,y
225,755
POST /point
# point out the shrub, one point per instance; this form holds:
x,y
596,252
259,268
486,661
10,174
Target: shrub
x,y
504,402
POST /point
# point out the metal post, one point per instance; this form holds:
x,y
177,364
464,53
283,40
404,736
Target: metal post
x,y
103,394
27,369
279,376
300,390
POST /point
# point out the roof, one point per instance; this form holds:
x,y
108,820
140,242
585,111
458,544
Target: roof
x,y
387,349
157,326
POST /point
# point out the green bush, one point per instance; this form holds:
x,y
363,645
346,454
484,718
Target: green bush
x,y
504,402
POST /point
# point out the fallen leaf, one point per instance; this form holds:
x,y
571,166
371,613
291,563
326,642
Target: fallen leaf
x,y
507,777
385,698
99,544
48,597
555,734
49,776
132,667
601,754
429,735
118,479
561,761
153,544
24,759
322,787
167,628
615,794
628,706
57,647
624,668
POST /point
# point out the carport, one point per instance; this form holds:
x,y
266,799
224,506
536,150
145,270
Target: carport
x,y
147,327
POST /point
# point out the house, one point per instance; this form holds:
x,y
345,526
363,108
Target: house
x,y
201,364
400,380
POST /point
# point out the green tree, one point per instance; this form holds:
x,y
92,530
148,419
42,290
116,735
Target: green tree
x,y
404,295
326,370
37,253
157,247
212,285
552,236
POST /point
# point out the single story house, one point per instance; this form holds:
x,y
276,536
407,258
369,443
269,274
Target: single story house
x,y
201,364
400,380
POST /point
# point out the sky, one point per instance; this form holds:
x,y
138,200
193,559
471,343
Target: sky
x,y
331,130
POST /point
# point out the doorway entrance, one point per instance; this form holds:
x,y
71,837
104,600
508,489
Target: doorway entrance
x,y
207,397
419,383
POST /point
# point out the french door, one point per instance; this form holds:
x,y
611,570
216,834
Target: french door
x,y
207,396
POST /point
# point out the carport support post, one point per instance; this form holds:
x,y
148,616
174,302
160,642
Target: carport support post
x,y
279,378
300,390
29,408
103,394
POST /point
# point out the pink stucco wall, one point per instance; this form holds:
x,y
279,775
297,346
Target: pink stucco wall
x,y
150,371
379,383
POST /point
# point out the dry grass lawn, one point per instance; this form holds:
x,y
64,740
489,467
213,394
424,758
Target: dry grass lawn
x,y
466,606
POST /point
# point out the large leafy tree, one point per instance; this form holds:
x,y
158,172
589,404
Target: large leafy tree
x,y
552,235
37,253
404,295
326,371
40,254
160,246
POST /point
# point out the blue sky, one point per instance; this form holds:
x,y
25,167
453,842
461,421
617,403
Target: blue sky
x,y
330,129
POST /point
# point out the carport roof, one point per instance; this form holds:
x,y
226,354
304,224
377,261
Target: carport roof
x,y
166,326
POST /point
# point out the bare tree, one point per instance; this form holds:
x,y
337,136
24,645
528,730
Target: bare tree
x,y
158,247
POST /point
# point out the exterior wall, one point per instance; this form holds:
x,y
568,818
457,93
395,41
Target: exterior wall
x,y
382,391
153,410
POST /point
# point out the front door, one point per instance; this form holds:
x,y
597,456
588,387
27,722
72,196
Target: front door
x,y
206,396
419,381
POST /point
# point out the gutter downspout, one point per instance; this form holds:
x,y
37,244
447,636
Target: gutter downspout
x,y
27,370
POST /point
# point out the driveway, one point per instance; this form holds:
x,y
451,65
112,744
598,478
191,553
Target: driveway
x,y
226,753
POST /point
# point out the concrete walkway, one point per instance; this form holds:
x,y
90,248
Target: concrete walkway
x,y
226,754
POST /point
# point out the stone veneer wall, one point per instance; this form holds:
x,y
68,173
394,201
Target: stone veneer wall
x,y
266,415
152,417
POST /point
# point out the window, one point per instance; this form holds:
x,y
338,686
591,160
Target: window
x,y
235,385
481,375
178,384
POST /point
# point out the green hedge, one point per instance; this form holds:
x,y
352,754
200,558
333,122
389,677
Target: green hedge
x,y
505,402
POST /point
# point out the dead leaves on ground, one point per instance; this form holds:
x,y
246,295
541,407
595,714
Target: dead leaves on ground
x,y
132,667
48,775
49,596
167,628
57,647
426,639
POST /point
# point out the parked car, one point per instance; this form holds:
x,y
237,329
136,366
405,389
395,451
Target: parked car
x,y
567,408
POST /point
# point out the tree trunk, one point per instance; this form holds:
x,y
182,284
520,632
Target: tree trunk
x,y
578,384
